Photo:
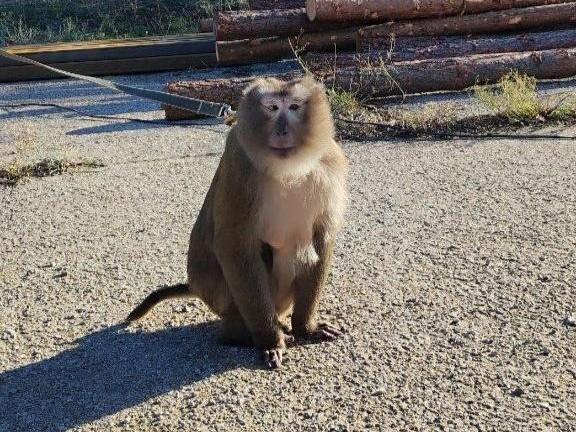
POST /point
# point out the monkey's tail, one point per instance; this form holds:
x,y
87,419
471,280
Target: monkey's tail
x,y
167,292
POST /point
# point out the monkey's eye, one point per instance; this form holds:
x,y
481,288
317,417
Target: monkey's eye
x,y
294,107
273,107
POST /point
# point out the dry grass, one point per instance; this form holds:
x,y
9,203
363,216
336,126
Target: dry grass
x,y
31,157
514,102
516,98
563,110
431,116
344,103
15,172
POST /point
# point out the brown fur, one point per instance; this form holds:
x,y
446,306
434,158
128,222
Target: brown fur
x,y
262,243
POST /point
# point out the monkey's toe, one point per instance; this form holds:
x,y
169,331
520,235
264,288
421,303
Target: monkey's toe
x,y
273,358
322,332
327,332
289,339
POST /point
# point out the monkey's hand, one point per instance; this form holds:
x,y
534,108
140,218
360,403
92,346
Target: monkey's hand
x,y
318,332
273,356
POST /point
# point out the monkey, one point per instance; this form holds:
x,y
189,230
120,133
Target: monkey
x,y
262,243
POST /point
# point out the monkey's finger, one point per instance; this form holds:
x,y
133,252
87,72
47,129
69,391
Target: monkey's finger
x,y
333,330
326,331
289,339
273,358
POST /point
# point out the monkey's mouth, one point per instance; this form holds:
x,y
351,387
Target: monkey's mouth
x,y
282,152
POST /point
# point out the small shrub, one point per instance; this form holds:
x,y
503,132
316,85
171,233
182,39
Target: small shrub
x,y
564,111
514,97
343,103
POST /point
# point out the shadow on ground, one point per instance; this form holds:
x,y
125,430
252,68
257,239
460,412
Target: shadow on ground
x,y
128,125
112,108
111,370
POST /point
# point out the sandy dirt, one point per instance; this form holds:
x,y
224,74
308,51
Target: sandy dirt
x,y
454,280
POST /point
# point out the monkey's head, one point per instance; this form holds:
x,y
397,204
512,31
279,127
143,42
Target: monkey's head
x,y
285,127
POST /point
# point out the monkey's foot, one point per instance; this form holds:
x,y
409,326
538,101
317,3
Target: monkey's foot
x,y
321,332
273,357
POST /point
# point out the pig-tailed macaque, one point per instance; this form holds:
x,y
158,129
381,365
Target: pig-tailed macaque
x,y
261,246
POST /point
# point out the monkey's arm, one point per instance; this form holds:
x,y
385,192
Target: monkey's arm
x,y
309,287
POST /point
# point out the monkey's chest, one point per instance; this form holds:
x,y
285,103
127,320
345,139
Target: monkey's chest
x,y
286,221
287,217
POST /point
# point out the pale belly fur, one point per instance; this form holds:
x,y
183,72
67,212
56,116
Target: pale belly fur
x,y
287,218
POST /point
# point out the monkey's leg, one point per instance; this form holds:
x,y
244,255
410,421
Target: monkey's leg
x,y
309,286
247,280
233,331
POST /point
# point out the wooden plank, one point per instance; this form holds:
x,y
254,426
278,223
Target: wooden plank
x,y
110,67
114,49
63,46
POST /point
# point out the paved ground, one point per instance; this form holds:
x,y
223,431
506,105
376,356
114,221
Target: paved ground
x,y
454,279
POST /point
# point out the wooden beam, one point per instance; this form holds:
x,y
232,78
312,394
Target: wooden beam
x,y
110,67
114,49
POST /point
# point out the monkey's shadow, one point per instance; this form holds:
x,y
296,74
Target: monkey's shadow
x,y
111,370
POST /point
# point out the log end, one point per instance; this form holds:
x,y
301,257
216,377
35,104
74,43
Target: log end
x,y
311,9
218,57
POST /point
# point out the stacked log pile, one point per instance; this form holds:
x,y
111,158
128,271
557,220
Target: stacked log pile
x,y
386,47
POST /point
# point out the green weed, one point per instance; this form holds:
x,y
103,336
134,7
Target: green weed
x,y
514,97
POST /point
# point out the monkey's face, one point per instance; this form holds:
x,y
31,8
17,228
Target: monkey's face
x,y
285,126
284,113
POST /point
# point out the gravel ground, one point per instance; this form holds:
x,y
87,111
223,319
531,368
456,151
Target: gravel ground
x,y
454,280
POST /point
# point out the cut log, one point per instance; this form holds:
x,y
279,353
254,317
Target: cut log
x,y
276,4
239,25
489,22
226,90
275,48
206,25
406,48
369,80
449,74
385,10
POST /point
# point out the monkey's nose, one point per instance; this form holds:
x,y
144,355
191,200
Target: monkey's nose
x,y
282,132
